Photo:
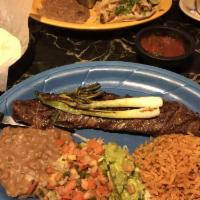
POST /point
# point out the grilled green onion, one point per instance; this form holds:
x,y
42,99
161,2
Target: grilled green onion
x,y
133,102
147,112
82,101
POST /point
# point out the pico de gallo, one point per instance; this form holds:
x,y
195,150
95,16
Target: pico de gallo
x,y
92,171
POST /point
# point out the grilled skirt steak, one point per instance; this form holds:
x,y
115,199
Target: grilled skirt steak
x,y
174,118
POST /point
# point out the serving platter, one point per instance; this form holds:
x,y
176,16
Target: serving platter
x,y
190,13
91,24
118,77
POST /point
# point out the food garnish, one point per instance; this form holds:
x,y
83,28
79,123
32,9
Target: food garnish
x,y
82,102
76,174
128,114
125,6
94,170
99,171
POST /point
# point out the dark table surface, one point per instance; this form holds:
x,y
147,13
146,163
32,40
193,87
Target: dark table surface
x,y
51,46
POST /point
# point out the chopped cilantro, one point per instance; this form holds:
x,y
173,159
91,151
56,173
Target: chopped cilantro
x,y
40,193
83,174
93,198
67,173
78,183
125,6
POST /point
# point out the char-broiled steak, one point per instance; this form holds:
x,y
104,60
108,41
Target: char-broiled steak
x,y
65,10
174,118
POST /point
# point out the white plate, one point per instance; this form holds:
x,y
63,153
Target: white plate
x,y
188,12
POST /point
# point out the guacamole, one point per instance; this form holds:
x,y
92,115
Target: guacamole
x,y
119,166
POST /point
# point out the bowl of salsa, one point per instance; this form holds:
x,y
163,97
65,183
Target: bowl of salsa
x,y
164,46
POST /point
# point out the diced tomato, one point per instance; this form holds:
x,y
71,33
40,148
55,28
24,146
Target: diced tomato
x,y
96,146
91,183
84,184
88,184
131,189
84,161
110,186
53,180
93,171
74,174
67,190
94,183
102,191
69,148
89,194
127,167
103,180
70,185
78,195
87,159
60,142
80,158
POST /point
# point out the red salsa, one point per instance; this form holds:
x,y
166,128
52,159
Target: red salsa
x,y
163,45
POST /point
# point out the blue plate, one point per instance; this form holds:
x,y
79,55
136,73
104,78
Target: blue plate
x,y
118,77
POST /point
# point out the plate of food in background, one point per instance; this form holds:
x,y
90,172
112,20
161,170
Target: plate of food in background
x,y
191,8
98,15
91,100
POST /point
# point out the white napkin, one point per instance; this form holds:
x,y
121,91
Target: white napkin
x,y
14,26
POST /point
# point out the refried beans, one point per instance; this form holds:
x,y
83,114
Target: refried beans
x,y
25,155
65,10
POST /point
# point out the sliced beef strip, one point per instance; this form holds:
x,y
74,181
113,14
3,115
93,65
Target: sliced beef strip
x,y
25,155
174,118
32,112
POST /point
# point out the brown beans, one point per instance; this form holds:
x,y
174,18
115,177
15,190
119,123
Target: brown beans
x,y
25,153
